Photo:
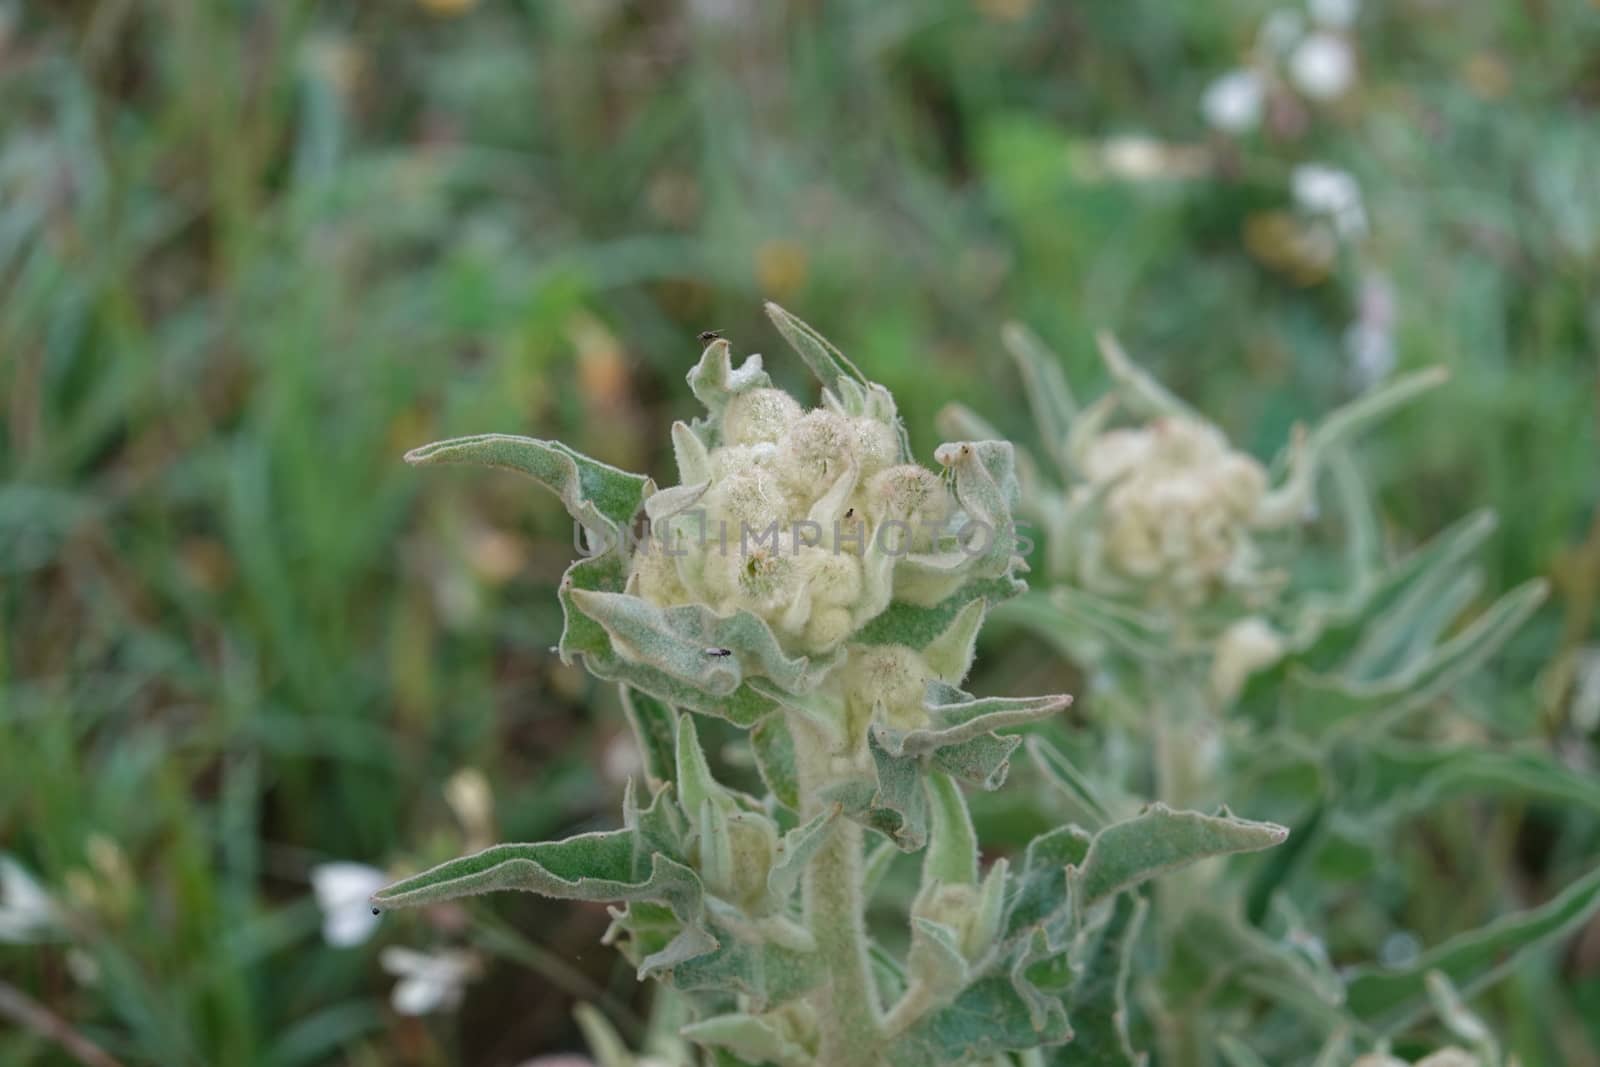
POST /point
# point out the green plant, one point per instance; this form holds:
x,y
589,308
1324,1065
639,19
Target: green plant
x,y
1225,657
807,582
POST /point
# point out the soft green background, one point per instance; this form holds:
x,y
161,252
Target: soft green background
x,y
252,251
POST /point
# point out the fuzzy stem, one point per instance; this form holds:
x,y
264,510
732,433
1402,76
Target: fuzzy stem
x,y
834,908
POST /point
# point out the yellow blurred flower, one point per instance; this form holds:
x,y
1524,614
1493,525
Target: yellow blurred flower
x,y
781,267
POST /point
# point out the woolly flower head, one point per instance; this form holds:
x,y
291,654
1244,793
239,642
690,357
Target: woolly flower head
x,y
794,516
1173,505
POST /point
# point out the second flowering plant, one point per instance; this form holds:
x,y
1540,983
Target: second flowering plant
x,y
810,583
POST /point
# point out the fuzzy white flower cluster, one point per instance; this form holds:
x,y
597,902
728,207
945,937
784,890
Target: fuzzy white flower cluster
x,y
1175,509
794,516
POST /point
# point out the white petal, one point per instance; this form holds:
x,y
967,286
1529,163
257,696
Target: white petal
x,y
418,996
348,926
1232,103
26,910
404,962
337,884
1323,66
343,891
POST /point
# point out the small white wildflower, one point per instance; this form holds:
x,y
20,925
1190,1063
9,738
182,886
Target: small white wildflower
x,y
1327,191
1323,66
344,891
1337,14
1233,102
427,982
27,913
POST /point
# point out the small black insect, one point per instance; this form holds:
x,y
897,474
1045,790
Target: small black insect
x,y
707,336
719,653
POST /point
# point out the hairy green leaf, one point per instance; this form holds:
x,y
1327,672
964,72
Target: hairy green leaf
x,y
1160,839
601,497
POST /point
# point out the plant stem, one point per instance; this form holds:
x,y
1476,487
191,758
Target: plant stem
x,y
831,892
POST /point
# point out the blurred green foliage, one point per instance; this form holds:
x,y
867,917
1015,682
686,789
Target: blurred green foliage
x,y
251,250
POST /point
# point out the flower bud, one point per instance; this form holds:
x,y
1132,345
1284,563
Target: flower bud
x,y
893,676
758,415
913,495
815,451
1244,648
737,850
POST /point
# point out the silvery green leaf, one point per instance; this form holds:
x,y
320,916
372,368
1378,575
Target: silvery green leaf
x,y
986,1019
773,747
934,961
983,760
1410,633
1329,628
674,500
917,627
1039,889
894,803
672,655
1063,612
928,578
1158,840
965,718
831,367
957,422
952,854
1361,528
691,455
606,866
744,706
714,381
1320,704
601,497
680,641
750,1037
1391,999
1061,773
949,655
1224,945
1139,392
654,727
1033,959
1098,1004
695,784
765,972
1403,778
986,489
1290,502
1044,384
